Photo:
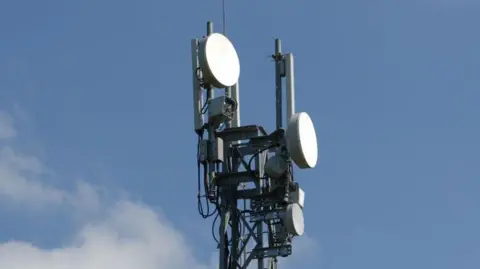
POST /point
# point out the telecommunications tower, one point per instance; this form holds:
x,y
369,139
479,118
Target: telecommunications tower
x,y
247,181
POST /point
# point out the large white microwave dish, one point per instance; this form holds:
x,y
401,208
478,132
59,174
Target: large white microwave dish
x,y
218,61
301,141
293,220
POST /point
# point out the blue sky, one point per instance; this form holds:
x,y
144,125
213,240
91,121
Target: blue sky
x,y
96,129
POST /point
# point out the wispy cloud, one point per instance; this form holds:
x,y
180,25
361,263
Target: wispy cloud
x,y
18,180
130,236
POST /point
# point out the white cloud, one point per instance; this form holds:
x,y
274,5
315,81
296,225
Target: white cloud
x,y
120,235
18,172
131,236
18,180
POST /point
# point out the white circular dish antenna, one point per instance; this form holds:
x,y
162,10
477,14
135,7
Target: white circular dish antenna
x,y
219,61
293,220
302,140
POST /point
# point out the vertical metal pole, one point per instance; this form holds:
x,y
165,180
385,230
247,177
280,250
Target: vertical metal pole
x,y
236,96
197,90
211,131
259,165
209,27
210,89
235,232
228,123
228,93
278,94
225,218
278,81
290,81
209,32
228,90
224,213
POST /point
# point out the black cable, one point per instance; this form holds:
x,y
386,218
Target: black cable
x,y
204,214
249,165
206,188
290,170
201,210
199,191
207,192
204,107
217,211
199,204
213,228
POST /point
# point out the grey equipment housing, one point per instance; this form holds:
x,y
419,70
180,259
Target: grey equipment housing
x,y
220,109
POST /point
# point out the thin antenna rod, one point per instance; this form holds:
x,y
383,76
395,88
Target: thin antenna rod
x,y
224,19
278,81
228,90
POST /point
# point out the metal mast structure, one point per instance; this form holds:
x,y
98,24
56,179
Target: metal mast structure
x,y
245,175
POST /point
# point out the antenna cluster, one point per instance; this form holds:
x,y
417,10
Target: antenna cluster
x,y
247,178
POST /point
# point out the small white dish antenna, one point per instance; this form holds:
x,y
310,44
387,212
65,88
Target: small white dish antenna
x,y
302,141
293,220
219,61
